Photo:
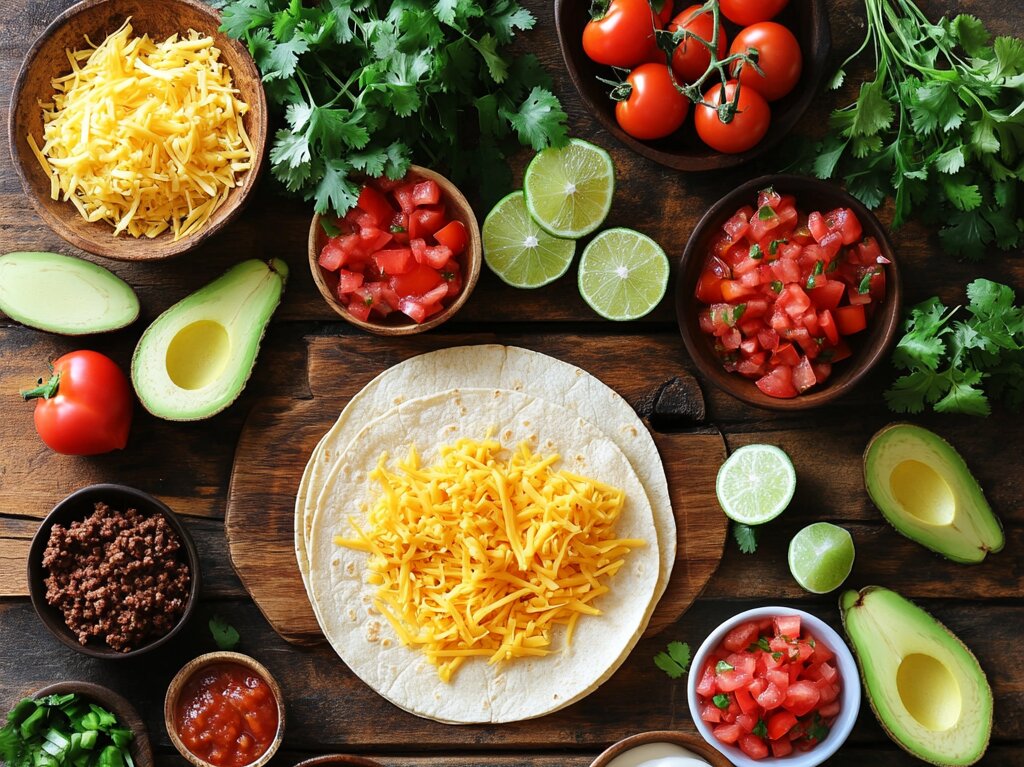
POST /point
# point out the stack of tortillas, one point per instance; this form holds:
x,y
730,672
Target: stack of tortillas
x,y
517,396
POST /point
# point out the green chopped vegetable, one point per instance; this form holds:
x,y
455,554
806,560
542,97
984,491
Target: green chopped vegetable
x,y
722,666
746,537
676,661
367,86
721,700
224,634
63,731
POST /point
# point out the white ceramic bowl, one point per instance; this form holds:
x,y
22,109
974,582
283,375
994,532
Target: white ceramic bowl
x,y
850,694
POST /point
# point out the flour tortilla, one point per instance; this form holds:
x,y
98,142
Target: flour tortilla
x,y
479,692
499,367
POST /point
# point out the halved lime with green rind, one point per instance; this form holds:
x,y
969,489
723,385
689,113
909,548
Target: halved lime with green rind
x,y
755,484
518,250
569,190
821,557
623,274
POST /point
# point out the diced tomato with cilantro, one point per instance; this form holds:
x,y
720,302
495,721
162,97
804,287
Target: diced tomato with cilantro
x,y
782,292
770,688
396,251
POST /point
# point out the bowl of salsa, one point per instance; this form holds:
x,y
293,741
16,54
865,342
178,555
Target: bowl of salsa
x,y
224,709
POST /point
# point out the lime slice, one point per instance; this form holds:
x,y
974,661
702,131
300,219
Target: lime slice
x,y
755,484
520,252
820,557
623,274
569,190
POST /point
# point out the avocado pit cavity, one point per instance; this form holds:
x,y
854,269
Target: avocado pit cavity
x,y
929,692
922,493
198,354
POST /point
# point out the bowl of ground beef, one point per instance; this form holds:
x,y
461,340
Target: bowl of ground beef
x,y
112,572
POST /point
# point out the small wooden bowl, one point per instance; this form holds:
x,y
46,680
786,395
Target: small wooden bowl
x,y
76,507
127,716
396,323
186,673
46,60
683,150
338,759
869,347
690,742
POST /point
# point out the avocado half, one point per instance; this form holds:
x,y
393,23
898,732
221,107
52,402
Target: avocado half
x,y
925,490
196,357
926,688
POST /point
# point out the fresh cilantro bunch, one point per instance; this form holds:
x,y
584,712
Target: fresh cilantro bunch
x,y
367,86
940,128
951,364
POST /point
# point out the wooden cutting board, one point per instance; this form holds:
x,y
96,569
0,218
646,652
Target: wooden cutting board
x,y
281,432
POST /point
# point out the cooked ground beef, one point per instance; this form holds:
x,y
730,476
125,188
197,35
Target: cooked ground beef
x,y
119,576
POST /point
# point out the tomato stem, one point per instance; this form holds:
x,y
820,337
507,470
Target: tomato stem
x,y
45,390
598,8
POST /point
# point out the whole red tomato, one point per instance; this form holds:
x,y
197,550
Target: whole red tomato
x,y
748,124
623,36
665,14
85,408
654,107
747,12
691,58
779,58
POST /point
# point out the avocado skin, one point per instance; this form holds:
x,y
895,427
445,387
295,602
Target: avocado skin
x,y
850,601
972,501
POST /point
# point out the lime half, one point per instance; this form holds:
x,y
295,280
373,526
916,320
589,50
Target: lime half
x,y
623,274
520,252
821,557
755,484
569,190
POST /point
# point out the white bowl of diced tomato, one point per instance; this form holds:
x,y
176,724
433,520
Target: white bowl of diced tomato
x,y
404,259
774,685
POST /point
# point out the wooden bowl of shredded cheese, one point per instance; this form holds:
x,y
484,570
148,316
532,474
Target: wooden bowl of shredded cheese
x,y
137,128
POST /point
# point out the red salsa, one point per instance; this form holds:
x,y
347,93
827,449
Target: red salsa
x,y
770,688
227,715
784,291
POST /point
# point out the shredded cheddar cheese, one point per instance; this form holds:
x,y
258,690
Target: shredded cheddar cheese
x,y
146,136
481,555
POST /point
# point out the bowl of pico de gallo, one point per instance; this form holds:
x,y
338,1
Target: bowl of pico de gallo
x,y
788,292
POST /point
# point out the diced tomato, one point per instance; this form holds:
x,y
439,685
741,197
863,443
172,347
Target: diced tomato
x,y
348,281
768,339
392,262
785,355
417,281
745,701
405,199
453,236
778,676
822,370
793,300
781,747
764,221
786,270
709,288
850,320
816,224
413,308
727,733
733,290
829,710
436,256
828,295
778,383
787,626
740,638
769,197
737,226
711,714
757,687
706,686
845,222
332,256
753,746
359,310
868,251
824,655
780,724
827,690
376,205
426,193
771,697
801,697
424,222
810,321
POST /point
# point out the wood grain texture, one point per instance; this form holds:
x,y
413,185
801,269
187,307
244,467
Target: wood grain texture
x,y
280,435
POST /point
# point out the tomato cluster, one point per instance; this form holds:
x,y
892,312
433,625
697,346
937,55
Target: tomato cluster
x,y
782,292
651,104
396,251
768,687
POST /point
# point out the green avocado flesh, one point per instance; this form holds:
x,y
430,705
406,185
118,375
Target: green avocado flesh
x,y
196,357
925,687
61,294
925,490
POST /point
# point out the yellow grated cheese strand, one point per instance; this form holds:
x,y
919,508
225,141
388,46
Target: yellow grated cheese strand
x,y
145,136
484,555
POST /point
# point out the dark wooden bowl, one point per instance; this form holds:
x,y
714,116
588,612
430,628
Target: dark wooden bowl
x,y
78,506
396,323
127,716
343,759
46,60
195,665
693,743
869,347
683,150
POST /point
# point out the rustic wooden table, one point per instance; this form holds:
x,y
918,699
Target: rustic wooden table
x,y
189,466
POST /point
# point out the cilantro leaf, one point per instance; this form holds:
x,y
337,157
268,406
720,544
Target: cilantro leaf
x,y
224,634
746,537
539,121
676,661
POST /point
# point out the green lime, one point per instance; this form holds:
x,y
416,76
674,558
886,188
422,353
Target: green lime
x,y
755,484
623,274
569,190
820,557
520,252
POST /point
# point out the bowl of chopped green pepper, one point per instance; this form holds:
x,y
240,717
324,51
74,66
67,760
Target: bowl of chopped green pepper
x,y
75,724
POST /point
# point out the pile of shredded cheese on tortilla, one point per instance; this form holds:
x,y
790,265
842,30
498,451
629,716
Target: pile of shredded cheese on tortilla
x,y
481,555
147,136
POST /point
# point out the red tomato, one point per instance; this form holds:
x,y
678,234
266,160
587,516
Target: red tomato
x,y
453,236
85,408
850,319
665,14
623,36
747,126
778,383
778,56
753,746
348,281
654,108
417,281
691,58
376,205
747,12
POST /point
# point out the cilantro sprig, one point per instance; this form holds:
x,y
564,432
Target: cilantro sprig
x,y
954,365
676,661
939,128
367,87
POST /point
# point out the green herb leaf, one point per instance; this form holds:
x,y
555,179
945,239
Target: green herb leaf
x,y
865,282
746,537
676,661
330,227
722,666
756,252
765,213
224,634
760,729
721,700
777,286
